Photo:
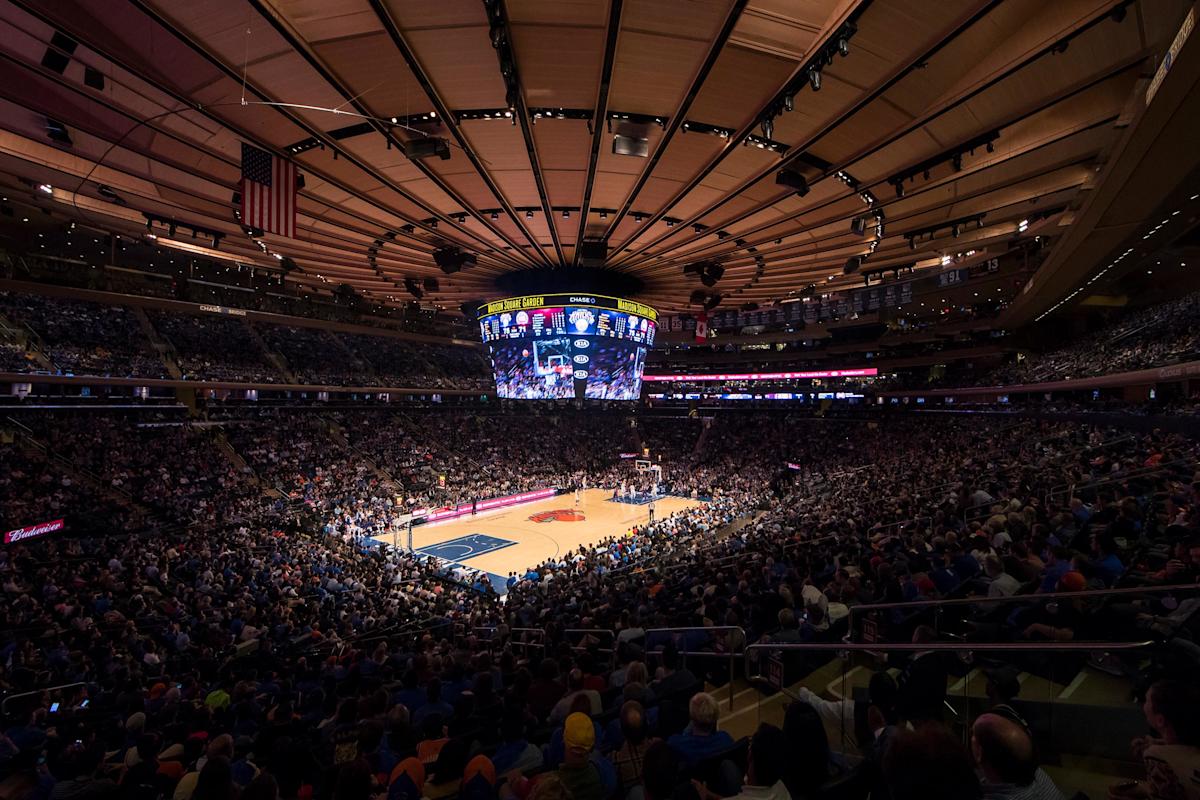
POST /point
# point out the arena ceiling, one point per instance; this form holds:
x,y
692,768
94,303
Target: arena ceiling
x,y
912,128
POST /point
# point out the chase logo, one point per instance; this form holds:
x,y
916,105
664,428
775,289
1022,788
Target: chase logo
x,y
589,300
582,344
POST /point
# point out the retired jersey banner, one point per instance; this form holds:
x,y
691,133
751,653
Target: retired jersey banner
x,y
33,531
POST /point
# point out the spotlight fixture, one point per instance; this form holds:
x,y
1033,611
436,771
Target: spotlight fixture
x,y
566,212
528,214
814,79
858,225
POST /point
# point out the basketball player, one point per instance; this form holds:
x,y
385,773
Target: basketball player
x,y
578,496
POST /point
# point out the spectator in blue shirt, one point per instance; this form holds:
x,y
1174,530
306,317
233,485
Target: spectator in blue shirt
x,y
1106,563
434,704
1058,563
701,739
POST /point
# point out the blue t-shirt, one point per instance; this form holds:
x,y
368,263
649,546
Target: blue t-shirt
x,y
693,749
1110,568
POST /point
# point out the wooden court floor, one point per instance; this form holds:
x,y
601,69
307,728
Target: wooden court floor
x,y
512,540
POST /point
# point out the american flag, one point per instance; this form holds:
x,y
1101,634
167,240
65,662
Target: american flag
x,y
268,189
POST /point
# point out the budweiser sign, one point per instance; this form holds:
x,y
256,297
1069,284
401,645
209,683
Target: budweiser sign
x,y
33,531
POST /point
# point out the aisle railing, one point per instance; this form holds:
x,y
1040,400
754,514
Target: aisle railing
x,y
734,651
1015,598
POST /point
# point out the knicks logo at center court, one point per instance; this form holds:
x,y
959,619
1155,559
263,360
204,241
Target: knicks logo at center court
x,y
559,515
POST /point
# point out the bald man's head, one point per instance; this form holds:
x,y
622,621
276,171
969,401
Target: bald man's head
x,y
1003,749
633,721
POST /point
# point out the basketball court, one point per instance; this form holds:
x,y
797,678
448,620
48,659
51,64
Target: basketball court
x,y
515,538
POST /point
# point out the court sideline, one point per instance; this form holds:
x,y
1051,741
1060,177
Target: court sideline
x,y
516,538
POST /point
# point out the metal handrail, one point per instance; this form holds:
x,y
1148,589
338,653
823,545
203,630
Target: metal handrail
x,y
919,647
818,540
1141,472
1017,598
586,632
707,629
10,698
899,523
512,641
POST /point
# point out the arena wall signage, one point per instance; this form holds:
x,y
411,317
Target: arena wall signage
x,y
868,372
33,531
450,512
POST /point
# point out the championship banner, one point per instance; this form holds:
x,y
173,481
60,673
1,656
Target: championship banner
x,y
33,531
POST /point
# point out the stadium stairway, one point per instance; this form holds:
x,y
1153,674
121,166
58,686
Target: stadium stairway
x,y
276,358
338,435
164,349
360,364
24,336
235,458
702,439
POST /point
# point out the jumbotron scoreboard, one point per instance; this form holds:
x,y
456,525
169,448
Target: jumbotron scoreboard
x,y
567,346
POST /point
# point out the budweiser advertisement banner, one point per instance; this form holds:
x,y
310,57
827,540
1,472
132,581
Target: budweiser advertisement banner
x,y
32,531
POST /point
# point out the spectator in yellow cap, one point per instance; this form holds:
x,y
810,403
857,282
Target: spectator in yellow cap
x,y
586,775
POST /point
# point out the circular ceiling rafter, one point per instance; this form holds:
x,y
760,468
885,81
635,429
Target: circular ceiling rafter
x,y
742,89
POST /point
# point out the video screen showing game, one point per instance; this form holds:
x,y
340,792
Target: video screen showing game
x,y
533,369
616,372
551,347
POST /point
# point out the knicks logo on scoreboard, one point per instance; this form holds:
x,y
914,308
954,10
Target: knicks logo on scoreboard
x,y
559,515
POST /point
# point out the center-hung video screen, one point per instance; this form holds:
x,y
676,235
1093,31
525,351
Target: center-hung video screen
x,y
561,347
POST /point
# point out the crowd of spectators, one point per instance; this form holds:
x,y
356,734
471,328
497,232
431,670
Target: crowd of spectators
x,y
313,355
214,348
270,647
84,338
1157,335
399,362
